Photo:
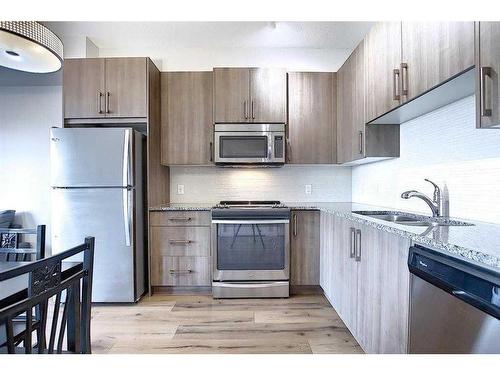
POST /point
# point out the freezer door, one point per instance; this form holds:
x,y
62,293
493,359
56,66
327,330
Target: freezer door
x,y
107,215
91,157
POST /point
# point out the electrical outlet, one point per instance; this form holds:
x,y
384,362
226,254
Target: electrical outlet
x,y
180,189
309,189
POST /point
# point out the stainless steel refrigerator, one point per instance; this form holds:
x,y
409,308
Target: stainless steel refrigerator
x,y
96,178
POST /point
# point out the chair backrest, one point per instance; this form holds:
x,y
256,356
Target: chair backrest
x,y
71,285
9,248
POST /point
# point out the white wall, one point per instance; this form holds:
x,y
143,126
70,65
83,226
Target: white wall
x,y
287,184
204,59
443,146
27,113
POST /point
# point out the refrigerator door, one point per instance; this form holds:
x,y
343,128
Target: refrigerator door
x,y
107,215
91,157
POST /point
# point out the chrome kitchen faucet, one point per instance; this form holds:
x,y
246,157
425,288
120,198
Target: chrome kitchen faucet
x,y
435,204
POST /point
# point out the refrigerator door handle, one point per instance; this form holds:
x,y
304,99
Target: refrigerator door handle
x,y
127,217
126,159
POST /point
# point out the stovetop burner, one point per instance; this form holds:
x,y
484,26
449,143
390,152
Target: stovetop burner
x,y
250,204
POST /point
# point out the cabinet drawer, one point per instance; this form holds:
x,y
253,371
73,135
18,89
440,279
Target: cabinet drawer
x,y
180,241
180,218
181,271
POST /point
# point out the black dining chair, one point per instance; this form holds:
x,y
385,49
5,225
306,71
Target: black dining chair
x,y
10,241
71,285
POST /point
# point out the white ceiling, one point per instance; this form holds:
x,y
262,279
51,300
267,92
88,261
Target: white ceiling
x,y
115,35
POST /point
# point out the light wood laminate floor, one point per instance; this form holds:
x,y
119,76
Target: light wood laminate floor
x,y
201,324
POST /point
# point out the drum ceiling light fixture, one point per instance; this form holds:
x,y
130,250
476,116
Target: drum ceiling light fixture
x,y
30,47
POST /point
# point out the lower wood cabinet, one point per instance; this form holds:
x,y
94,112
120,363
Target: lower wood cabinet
x,y
383,291
179,244
365,276
305,248
182,271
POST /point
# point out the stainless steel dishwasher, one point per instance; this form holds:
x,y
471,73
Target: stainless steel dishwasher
x,y
455,305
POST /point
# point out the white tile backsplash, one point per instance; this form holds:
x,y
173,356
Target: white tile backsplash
x,y
443,146
287,184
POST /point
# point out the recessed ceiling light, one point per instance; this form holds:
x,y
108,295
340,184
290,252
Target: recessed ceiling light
x,y
30,47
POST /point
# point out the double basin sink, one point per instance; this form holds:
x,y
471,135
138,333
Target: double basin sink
x,y
404,218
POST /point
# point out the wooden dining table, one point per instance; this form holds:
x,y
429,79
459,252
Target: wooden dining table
x,y
16,289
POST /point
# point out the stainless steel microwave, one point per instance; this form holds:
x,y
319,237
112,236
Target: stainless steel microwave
x,y
249,144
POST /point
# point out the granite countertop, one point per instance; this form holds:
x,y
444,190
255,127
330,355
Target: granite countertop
x,y
478,243
183,207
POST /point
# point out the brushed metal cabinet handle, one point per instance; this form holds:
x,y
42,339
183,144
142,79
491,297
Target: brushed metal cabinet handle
x,y
99,101
180,242
107,102
211,151
404,79
360,142
295,225
180,219
253,113
180,272
395,85
245,110
485,71
358,245
352,252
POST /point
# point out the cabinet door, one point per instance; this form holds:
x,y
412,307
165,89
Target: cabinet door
x,y
231,95
434,52
311,118
383,77
488,67
126,87
268,95
344,277
350,107
327,233
186,136
84,88
383,292
304,247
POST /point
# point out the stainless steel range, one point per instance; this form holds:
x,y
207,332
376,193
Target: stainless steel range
x,y
251,249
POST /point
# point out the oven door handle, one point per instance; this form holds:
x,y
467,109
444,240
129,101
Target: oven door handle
x,y
280,221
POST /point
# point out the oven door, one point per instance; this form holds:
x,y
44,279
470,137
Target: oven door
x,y
251,250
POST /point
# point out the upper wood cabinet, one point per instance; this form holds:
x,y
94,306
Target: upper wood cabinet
x,y
126,85
433,52
186,118
350,107
488,72
231,94
382,63
357,142
111,87
249,95
311,118
305,248
268,95
84,88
